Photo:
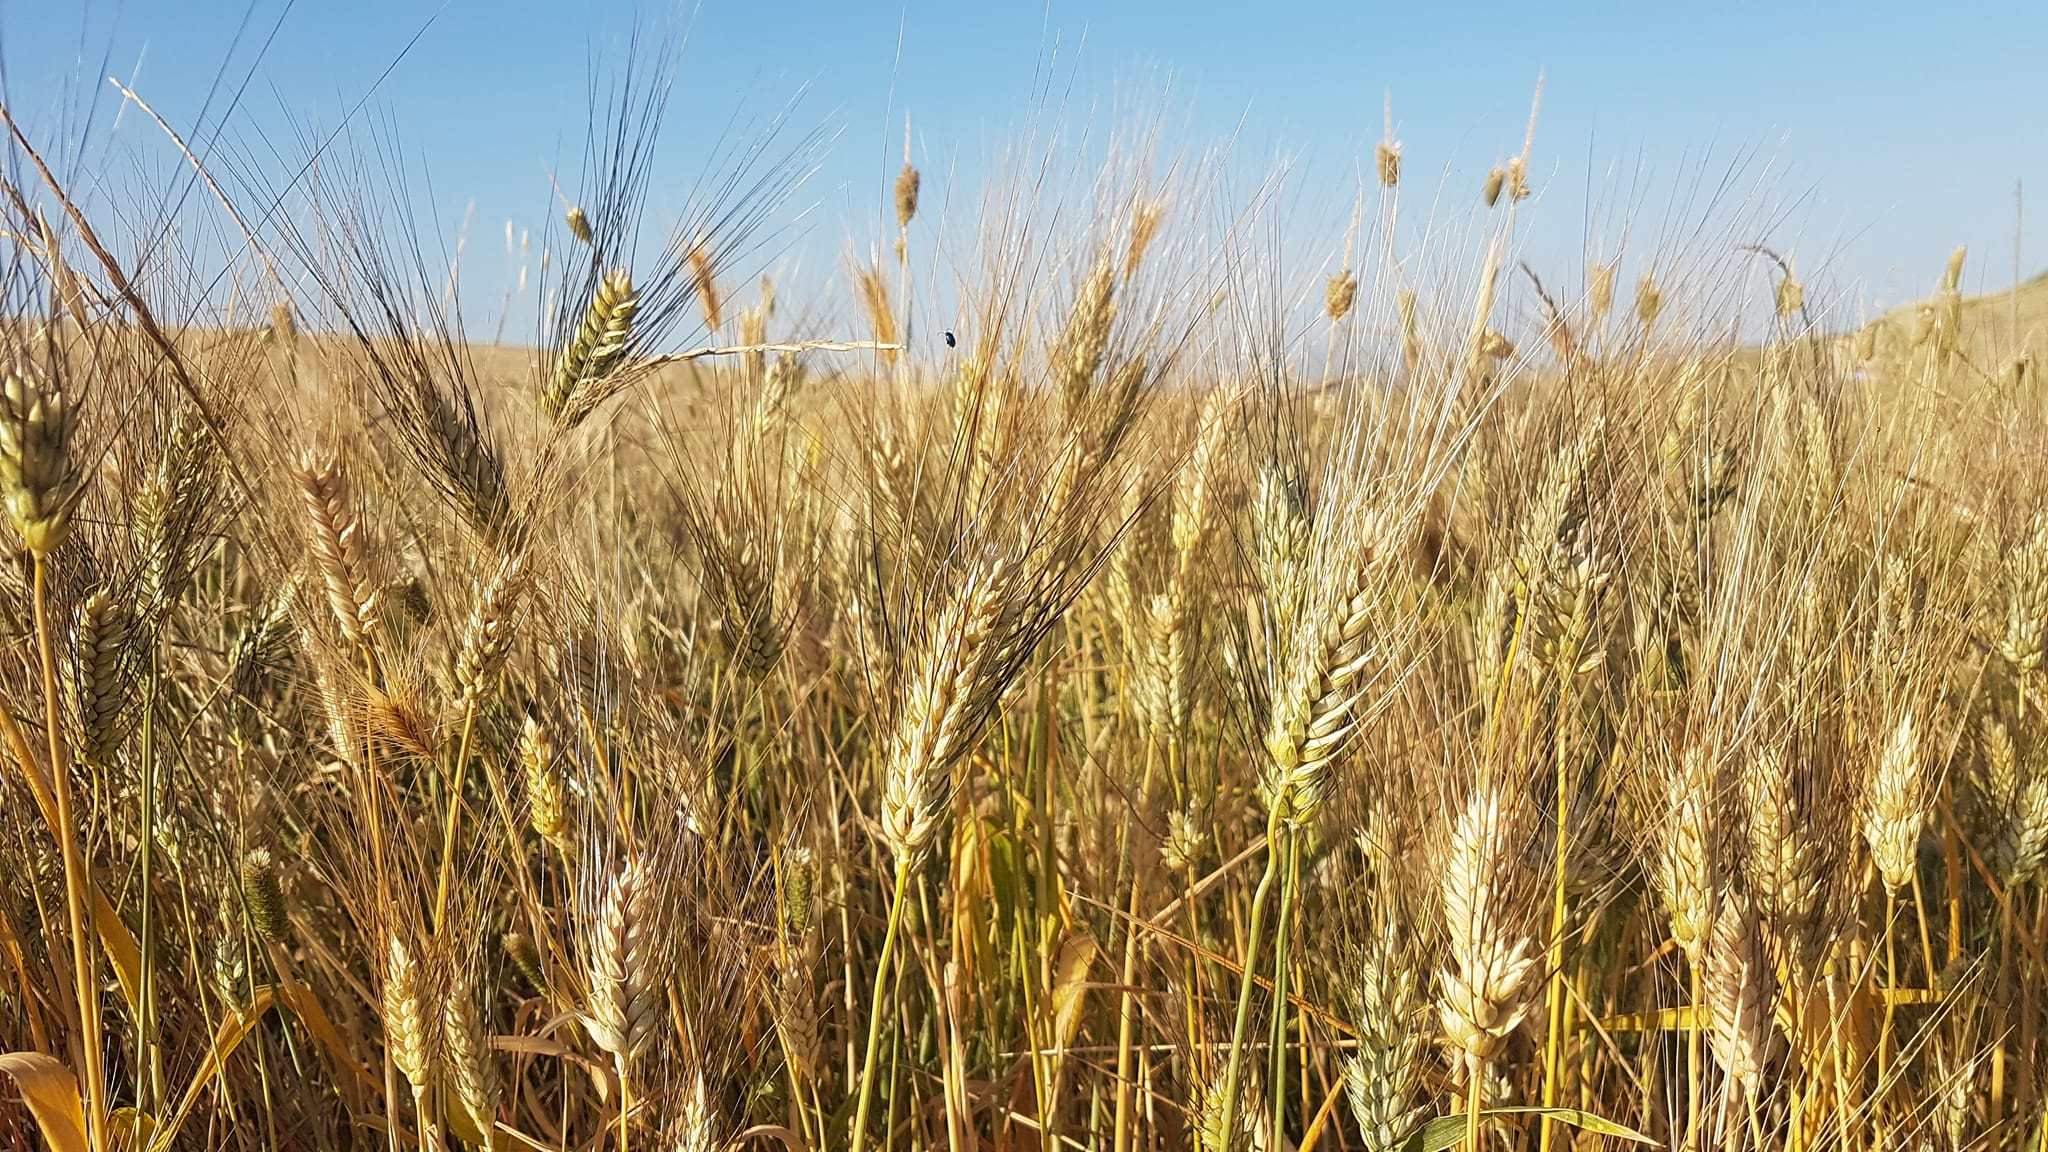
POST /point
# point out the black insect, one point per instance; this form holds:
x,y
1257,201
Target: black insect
x,y
949,338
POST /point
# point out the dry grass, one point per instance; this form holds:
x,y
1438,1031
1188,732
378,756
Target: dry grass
x,y
1096,736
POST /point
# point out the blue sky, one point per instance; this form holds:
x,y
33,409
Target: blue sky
x,y
1881,134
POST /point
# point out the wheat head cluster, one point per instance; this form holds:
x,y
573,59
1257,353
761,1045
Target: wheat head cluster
x,y
1194,705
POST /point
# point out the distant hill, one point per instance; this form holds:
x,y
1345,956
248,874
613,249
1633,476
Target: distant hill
x,y
1988,321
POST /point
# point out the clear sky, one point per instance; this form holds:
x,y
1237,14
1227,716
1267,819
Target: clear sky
x,y
1883,133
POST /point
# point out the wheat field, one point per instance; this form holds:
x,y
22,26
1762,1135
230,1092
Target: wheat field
x,y
1199,703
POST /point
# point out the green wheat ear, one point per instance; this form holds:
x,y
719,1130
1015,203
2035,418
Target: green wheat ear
x,y
599,346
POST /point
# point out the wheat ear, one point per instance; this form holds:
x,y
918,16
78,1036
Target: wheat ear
x,y
1894,805
1485,991
946,695
1380,1075
99,642
1741,994
1688,868
465,1040
336,536
623,966
547,801
40,478
595,352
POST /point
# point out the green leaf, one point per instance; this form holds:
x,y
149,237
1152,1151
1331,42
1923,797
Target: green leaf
x,y
1005,881
1445,1132
1600,1125
1439,1134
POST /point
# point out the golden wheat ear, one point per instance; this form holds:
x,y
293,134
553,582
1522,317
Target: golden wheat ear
x,y
1489,986
412,1012
1742,995
588,360
340,554
624,967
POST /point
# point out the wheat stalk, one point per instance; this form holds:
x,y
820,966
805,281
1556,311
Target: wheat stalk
x,y
40,485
